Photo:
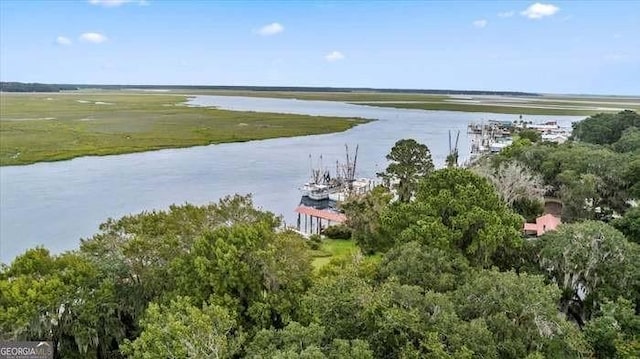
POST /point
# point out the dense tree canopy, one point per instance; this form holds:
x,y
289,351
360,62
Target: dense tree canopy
x,y
248,268
604,128
442,270
629,141
297,341
615,332
629,225
593,181
63,299
591,261
431,268
520,312
455,209
181,330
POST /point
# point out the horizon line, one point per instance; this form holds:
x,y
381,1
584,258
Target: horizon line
x,y
292,88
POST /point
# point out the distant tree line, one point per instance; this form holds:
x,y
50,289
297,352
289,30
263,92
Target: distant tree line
x,y
34,87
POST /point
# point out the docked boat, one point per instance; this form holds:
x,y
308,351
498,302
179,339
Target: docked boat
x,y
315,191
358,186
323,193
323,185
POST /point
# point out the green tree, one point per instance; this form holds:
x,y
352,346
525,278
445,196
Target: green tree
x,y
605,128
615,331
136,253
297,341
180,330
397,320
515,149
429,268
629,224
363,214
631,175
249,268
530,134
530,209
455,209
571,172
347,349
590,261
580,197
520,311
63,299
410,161
629,141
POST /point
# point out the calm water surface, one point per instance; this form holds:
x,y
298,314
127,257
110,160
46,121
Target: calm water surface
x,y
55,204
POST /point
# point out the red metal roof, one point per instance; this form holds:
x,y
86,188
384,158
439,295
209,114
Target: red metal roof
x,y
321,213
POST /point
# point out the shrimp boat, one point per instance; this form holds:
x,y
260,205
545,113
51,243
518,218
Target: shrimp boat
x,y
320,183
325,186
321,196
358,186
315,191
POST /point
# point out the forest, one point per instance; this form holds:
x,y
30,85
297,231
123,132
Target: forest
x,y
34,87
443,268
37,87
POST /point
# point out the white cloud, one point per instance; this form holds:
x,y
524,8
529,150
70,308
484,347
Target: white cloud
x,y
480,23
116,3
61,40
271,29
506,14
93,37
334,56
538,11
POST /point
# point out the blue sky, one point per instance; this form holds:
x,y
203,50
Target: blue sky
x,y
555,47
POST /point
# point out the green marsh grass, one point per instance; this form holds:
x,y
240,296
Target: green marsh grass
x,y
59,126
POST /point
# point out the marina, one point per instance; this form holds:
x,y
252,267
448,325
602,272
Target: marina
x,y
492,136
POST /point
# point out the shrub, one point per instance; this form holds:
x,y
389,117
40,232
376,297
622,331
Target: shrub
x,y
338,231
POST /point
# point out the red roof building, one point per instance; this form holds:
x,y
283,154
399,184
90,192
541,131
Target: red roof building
x,y
543,224
321,213
315,220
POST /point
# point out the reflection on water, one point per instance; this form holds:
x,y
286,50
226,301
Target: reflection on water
x,y
55,204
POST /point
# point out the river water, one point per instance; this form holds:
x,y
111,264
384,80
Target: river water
x,y
55,204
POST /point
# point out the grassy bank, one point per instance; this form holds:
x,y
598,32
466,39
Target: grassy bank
x,y
490,108
331,249
60,126
322,96
556,105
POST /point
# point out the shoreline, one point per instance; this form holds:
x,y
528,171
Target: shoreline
x,y
261,131
88,129
363,122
